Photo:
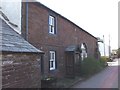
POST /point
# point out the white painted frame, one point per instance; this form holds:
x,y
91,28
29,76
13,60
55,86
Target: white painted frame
x,y
51,24
52,60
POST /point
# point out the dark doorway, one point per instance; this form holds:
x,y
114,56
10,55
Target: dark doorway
x,y
70,64
73,58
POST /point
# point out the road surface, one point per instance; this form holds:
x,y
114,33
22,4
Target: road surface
x,y
107,78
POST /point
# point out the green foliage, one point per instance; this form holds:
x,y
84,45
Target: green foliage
x,y
118,53
104,58
78,68
90,66
48,82
103,62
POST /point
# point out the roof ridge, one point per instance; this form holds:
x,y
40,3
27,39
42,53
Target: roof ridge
x,y
15,42
38,2
8,22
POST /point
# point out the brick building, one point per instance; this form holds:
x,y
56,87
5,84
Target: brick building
x,y
63,42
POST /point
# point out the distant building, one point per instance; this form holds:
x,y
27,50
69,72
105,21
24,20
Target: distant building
x,y
114,53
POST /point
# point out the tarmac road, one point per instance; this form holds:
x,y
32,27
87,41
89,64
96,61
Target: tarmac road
x,y
107,78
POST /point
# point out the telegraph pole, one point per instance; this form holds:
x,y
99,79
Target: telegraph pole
x,y
104,44
109,47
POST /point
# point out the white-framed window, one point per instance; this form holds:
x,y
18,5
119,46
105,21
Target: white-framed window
x,y
52,25
52,60
84,52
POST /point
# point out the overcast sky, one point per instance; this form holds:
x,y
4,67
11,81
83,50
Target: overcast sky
x,y
98,17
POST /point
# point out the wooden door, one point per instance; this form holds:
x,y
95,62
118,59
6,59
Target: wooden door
x,y
70,64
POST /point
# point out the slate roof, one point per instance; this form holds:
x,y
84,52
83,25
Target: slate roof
x,y
11,41
71,48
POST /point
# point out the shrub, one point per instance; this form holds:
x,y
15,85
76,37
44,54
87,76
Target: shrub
x,y
48,82
118,53
105,58
90,66
78,68
103,61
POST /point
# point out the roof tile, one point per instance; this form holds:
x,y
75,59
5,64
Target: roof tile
x,y
12,41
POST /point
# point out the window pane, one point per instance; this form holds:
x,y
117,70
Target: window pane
x,y
53,29
52,64
53,56
53,21
50,29
50,20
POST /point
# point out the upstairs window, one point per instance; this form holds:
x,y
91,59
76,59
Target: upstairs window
x,y
52,25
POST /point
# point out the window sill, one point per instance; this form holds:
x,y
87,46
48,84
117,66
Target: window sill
x,y
52,69
52,34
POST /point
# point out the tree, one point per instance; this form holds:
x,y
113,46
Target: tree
x,y
118,53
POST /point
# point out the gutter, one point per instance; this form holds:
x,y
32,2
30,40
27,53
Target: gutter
x,y
27,20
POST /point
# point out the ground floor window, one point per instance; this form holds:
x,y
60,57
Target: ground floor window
x,y
84,51
52,60
83,54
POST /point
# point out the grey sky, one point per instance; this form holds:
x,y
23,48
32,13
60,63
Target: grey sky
x,y
98,17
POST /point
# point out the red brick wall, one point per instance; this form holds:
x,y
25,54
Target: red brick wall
x,y
67,34
20,70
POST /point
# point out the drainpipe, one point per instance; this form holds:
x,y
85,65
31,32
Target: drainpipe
x,y
104,45
27,20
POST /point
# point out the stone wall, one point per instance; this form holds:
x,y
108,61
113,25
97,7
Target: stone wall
x,y
21,70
